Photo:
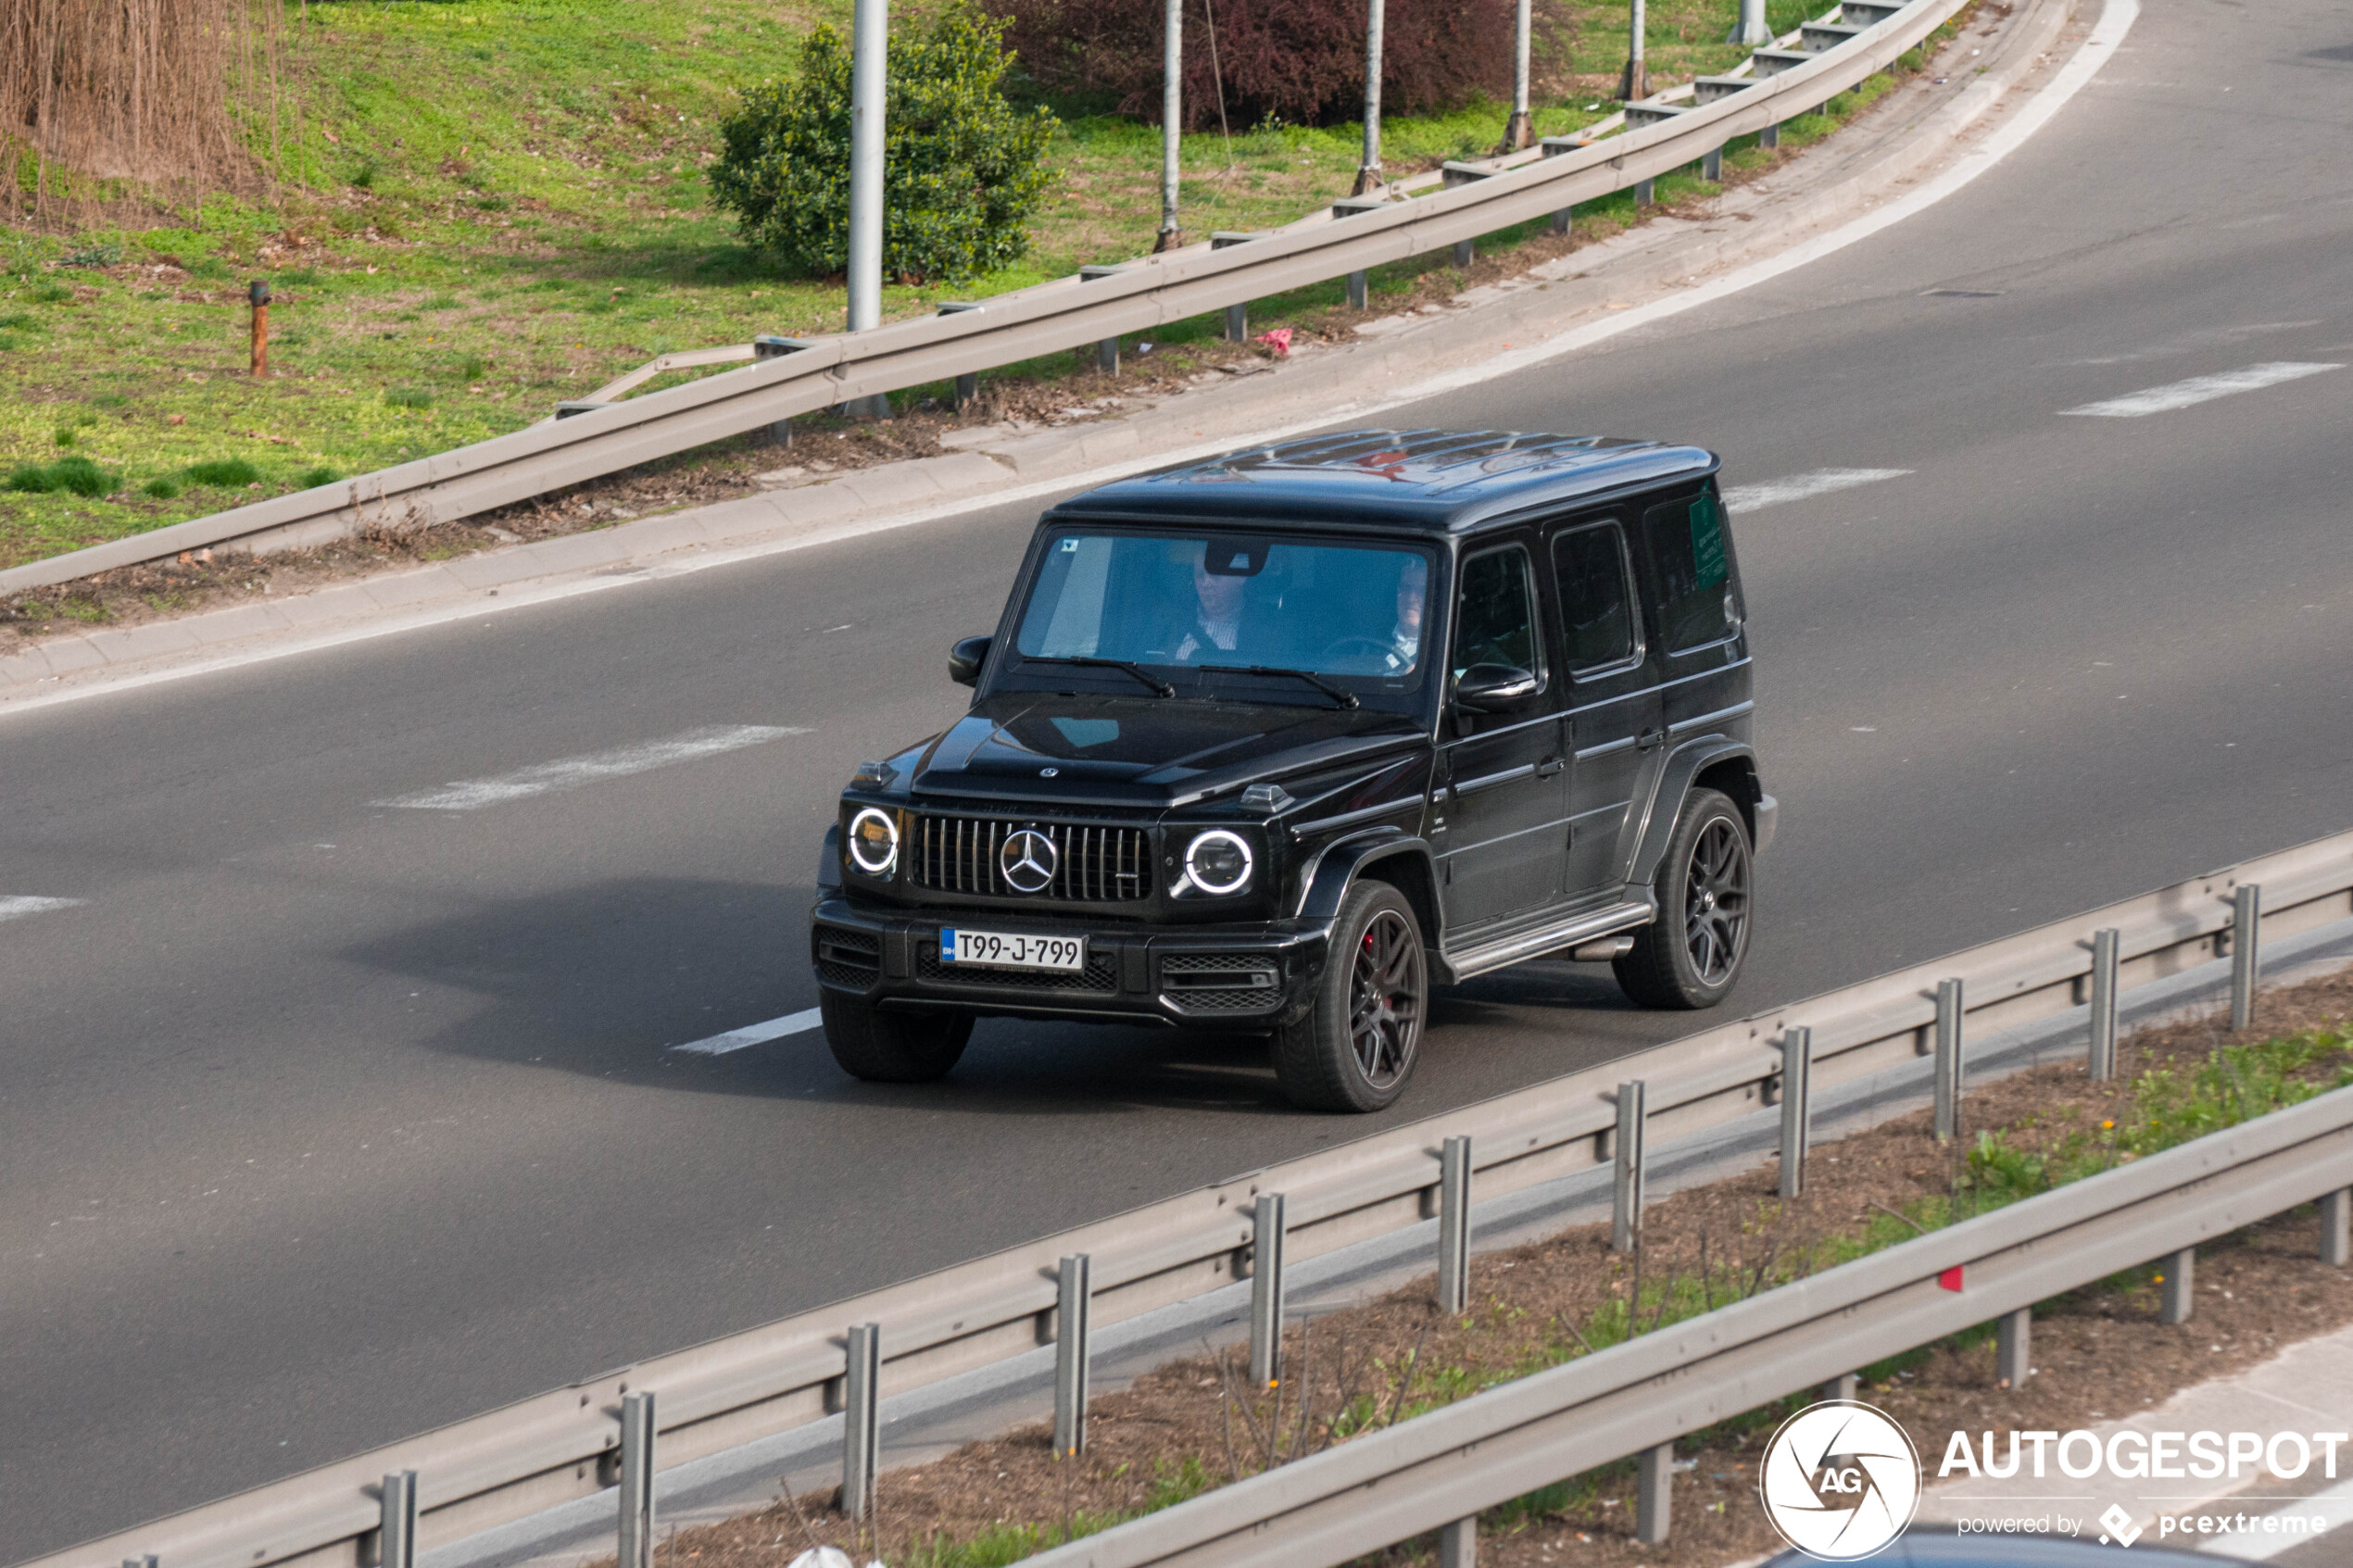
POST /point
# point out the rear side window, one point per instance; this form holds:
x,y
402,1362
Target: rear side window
x,y
1497,622
1693,561
1597,600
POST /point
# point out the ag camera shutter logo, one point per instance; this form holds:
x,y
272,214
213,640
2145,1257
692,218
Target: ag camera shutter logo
x,y
1840,1480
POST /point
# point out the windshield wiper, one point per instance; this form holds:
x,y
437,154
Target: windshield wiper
x,y
1340,694
1159,687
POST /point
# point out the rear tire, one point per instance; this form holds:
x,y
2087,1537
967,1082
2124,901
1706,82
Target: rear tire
x,y
1357,1045
1690,956
893,1047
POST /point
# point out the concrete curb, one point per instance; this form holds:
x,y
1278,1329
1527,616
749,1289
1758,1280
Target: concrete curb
x,y
1555,308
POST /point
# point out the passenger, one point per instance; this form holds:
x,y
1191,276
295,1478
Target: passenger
x,y
1217,617
1413,591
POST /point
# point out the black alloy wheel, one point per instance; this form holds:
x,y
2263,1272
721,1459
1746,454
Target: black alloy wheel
x,y
1692,954
1357,1047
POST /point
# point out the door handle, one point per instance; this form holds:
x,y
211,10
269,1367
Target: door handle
x,y
1649,739
1550,766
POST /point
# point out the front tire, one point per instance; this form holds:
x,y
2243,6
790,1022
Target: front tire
x,y
1357,1045
1690,956
892,1047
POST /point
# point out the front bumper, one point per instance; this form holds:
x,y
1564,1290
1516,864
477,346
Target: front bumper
x,y
1253,976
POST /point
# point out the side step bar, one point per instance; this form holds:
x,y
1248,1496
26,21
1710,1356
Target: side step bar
x,y
1461,964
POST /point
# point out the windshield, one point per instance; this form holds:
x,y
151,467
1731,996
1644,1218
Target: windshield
x,y
1179,601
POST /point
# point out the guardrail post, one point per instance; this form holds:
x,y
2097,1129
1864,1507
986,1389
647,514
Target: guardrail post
x,y
1107,350
1711,165
1654,1493
1949,1059
2179,1279
1359,291
2106,945
1266,1291
1071,1312
1797,1077
861,1421
2247,961
2013,1348
1842,1386
1554,146
1237,316
1626,1206
968,385
1464,254
765,348
1458,1543
1645,192
2336,1227
1769,137
636,1480
1453,1225
397,1537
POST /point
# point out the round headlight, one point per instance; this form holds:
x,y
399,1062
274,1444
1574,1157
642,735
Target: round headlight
x,y
874,842
1218,862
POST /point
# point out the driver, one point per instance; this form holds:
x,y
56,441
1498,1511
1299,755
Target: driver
x,y
1406,640
1218,616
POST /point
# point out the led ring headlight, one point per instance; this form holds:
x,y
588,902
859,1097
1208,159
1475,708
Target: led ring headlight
x,y
1218,862
874,842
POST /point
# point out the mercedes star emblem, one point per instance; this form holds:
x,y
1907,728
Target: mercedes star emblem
x,y
1027,861
1048,772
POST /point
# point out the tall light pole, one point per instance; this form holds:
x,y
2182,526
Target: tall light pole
x,y
1520,132
1751,29
1368,173
1172,114
1636,81
870,46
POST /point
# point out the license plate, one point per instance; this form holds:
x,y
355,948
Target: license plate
x,y
1009,949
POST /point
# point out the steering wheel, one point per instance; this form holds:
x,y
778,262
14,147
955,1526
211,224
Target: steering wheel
x,y
1349,647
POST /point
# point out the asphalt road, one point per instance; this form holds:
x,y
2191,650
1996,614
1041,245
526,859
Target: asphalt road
x,y
324,1121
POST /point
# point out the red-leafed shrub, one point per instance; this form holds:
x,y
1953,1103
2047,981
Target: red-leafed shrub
x,y
1297,61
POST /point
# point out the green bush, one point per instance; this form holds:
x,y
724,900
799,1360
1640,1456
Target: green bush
x,y
964,170
407,397
30,480
162,489
226,472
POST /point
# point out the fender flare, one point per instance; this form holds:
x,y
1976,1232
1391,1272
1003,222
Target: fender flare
x,y
1340,863
1682,765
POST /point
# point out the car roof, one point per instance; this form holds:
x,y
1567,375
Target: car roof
x,y
1435,481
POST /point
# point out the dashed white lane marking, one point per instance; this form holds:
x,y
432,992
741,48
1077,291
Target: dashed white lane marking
x,y
2200,389
471,794
753,1034
18,906
1798,486
2325,1512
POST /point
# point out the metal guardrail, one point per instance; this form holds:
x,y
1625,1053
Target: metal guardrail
x,y
1007,328
564,1444
1447,1465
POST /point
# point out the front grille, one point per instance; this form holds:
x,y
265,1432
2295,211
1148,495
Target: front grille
x,y
851,958
1101,973
1202,982
1102,865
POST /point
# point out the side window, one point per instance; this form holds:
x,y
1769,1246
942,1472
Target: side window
x,y
1496,622
1596,596
1687,549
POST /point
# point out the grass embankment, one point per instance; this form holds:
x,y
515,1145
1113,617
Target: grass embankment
x,y
487,205
2099,1350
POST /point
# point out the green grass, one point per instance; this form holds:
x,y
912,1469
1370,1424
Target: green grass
x,y
448,266
1004,1544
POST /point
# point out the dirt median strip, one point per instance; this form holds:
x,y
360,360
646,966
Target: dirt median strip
x,y
2098,1352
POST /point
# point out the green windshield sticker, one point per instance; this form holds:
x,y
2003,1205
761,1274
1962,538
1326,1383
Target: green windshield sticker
x,y
1707,541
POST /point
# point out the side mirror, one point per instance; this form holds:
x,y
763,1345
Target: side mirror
x,y
966,657
1495,688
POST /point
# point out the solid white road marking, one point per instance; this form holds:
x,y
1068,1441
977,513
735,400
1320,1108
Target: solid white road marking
x,y
1798,486
572,772
2335,1506
2200,389
753,1034
20,905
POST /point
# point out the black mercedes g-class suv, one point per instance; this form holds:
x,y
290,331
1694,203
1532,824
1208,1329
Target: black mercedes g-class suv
x,y
1274,742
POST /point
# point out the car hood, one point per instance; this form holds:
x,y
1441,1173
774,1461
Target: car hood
x,y
1044,749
